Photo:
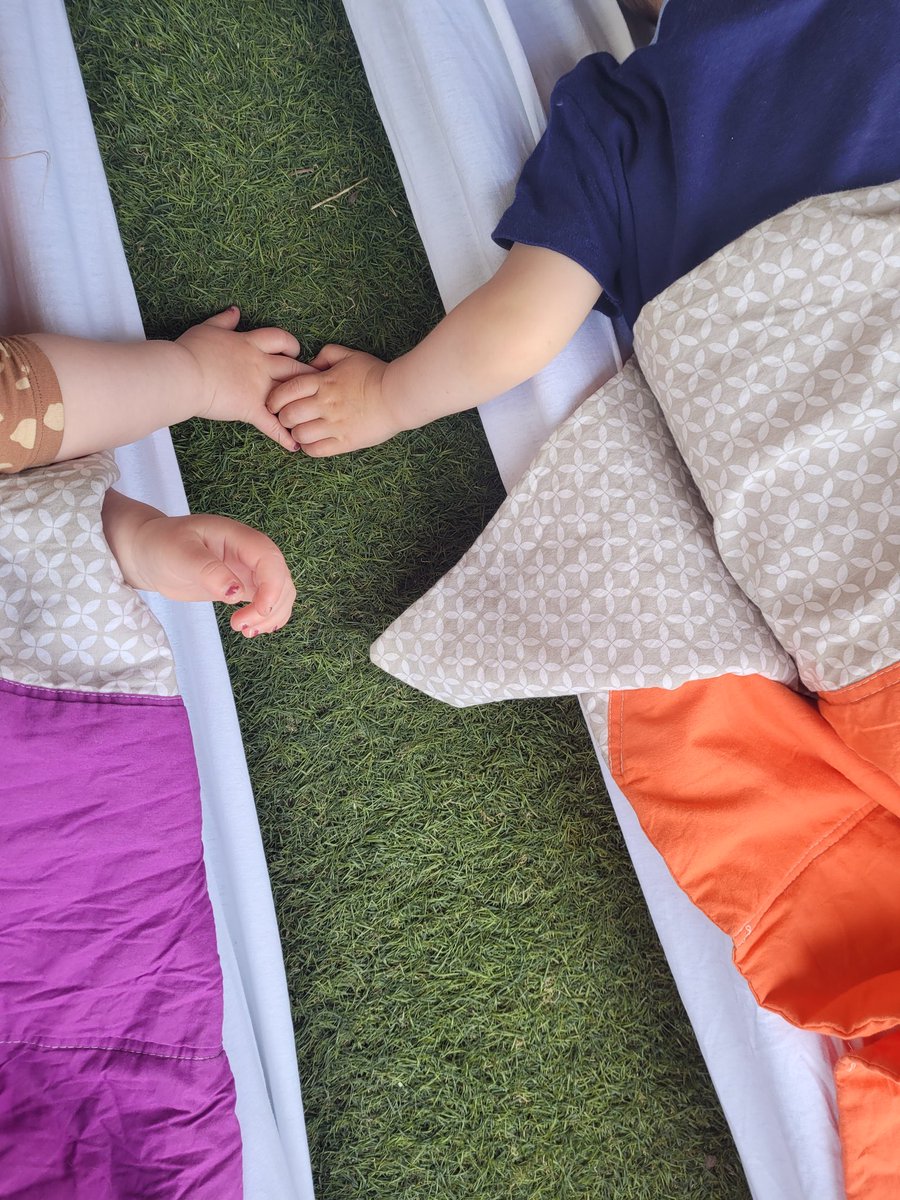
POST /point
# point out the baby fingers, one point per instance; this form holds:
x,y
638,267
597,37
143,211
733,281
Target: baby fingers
x,y
272,427
216,578
301,387
282,368
306,433
271,605
330,355
272,340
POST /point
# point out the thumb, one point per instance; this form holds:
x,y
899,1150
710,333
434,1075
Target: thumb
x,y
329,355
210,574
267,423
227,319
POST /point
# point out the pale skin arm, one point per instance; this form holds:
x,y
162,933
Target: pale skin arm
x,y
201,558
499,336
117,392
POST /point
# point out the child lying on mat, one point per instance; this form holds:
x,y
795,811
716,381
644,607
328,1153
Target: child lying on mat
x,y
64,397
740,109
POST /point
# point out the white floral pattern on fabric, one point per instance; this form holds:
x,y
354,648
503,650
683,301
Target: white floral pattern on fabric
x,y
777,365
67,618
599,571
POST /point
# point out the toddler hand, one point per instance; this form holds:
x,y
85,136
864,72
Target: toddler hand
x,y
340,406
238,371
213,558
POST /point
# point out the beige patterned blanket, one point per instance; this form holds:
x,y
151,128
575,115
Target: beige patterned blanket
x,y
727,504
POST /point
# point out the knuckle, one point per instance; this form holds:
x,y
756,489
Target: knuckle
x,y
210,569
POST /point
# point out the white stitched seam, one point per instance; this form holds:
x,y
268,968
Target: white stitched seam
x,y
110,1049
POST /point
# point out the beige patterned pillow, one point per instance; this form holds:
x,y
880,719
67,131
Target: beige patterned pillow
x,y
599,571
67,617
777,366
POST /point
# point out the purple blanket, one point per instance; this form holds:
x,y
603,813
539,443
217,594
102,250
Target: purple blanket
x,y
113,1079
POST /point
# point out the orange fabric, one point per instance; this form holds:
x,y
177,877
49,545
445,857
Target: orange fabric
x,y
782,822
866,716
780,833
868,1090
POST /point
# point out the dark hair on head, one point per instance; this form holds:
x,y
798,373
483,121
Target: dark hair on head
x,y
649,9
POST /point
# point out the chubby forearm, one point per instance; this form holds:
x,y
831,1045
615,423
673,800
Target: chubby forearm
x,y
478,351
123,520
499,336
117,392
503,333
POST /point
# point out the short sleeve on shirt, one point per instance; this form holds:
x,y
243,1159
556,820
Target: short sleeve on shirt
x,y
567,196
31,406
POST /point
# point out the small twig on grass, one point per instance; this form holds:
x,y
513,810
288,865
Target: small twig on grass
x,y
337,195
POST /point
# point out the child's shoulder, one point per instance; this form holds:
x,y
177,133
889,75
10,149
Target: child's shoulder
x,y
703,52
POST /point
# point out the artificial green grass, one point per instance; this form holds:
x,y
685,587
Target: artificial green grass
x,y
482,1009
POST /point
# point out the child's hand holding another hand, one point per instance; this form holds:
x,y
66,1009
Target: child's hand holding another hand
x,y
237,371
341,405
501,334
117,392
201,557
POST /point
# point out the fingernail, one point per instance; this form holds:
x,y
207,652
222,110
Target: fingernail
x,y
244,628
255,632
232,591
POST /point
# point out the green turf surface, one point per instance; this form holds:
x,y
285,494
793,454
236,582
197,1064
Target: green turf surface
x,y
482,1010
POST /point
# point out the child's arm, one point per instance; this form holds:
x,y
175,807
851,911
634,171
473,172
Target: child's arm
x,y
116,392
500,335
201,558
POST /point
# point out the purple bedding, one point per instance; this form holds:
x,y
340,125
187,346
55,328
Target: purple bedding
x,y
113,1081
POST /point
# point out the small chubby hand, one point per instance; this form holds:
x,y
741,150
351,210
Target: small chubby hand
x,y
203,557
237,371
340,405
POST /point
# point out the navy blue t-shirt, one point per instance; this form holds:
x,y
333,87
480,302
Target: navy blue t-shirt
x,y
740,109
